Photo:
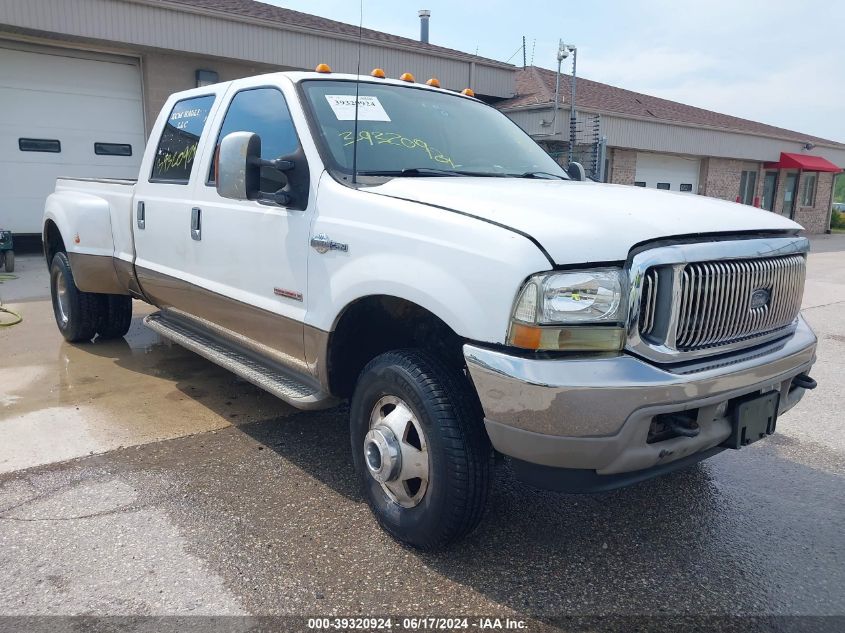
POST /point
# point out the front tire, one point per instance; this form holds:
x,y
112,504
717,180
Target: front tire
x,y
420,448
77,313
10,261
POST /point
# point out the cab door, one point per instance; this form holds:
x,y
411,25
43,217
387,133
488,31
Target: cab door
x,y
249,257
161,212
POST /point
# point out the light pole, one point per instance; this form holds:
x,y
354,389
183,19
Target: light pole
x,y
562,53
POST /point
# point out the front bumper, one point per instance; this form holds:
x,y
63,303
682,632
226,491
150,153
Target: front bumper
x,y
595,413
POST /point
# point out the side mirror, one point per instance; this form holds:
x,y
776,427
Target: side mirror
x,y
576,171
238,175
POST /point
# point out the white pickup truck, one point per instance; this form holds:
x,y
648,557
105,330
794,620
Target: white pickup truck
x,y
413,251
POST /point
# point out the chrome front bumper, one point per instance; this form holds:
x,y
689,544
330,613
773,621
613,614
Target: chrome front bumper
x,y
595,413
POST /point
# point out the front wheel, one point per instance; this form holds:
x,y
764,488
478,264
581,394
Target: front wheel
x,y
10,261
420,449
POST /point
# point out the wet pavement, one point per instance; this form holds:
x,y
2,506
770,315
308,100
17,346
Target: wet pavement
x,y
137,478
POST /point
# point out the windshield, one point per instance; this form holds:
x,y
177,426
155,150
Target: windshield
x,y
416,132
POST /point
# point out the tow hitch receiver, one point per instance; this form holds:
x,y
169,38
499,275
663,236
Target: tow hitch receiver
x,y
753,418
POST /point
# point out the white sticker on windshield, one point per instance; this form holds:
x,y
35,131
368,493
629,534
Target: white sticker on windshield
x,y
369,108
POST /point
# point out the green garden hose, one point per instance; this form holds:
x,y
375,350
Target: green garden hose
x,y
16,318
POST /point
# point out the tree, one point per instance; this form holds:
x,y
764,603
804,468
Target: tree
x,y
839,188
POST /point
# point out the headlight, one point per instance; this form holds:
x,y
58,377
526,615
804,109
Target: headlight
x,y
572,298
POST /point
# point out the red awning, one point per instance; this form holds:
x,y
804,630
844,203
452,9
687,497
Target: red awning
x,y
803,161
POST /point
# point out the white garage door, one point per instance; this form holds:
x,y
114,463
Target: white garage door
x,y
674,173
63,115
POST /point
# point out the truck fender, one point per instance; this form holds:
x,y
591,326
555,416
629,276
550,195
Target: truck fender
x,y
83,221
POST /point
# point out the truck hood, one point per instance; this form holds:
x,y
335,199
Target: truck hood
x,y
582,222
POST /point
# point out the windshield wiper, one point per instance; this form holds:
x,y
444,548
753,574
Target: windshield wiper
x,y
543,175
413,172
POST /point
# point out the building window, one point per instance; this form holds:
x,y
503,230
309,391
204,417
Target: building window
x,y
747,187
112,149
39,145
686,186
664,185
639,183
808,190
206,78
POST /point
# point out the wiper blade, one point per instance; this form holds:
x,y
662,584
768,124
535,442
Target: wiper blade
x,y
413,172
543,175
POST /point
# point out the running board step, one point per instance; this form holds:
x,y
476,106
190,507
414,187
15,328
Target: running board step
x,y
282,384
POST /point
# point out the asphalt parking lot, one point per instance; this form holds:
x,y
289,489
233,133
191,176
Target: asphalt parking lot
x,y
136,478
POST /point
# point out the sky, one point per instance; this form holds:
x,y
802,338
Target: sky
x,y
774,61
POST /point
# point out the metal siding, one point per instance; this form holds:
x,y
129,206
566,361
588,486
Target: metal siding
x,y
665,137
160,27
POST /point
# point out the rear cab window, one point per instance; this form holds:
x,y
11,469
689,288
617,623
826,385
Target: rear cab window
x,y
177,148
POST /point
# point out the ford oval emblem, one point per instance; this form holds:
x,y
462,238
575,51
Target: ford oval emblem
x,y
760,298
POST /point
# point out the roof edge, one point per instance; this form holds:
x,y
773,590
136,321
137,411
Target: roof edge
x,y
436,51
549,105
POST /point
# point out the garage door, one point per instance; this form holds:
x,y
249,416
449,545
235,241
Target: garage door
x,y
661,171
62,114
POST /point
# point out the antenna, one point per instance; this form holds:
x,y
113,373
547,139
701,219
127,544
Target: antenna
x,y
357,85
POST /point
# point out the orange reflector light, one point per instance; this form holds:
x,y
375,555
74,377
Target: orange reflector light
x,y
434,82
378,72
525,336
407,77
469,92
322,68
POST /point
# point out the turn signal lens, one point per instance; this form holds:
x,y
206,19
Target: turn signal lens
x,y
567,339
434,82
407,77
525,336
469,92
378,72
322,68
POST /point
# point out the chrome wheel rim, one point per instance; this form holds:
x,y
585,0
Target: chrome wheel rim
x,y
62,298
396,452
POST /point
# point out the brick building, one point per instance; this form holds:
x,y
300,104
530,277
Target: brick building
x,y
653,142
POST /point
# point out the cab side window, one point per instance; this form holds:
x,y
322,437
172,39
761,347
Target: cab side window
x,y
174,157
263,111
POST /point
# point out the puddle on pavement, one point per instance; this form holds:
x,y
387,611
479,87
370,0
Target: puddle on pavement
x,y
59,401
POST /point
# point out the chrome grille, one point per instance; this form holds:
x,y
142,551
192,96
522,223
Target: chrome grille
x,y
727,301
649,303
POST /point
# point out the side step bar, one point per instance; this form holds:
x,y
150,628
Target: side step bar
x,y
282,384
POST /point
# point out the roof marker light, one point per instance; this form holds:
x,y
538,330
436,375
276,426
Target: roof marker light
x,y
434,82
407,77
378,72
469,92
322,68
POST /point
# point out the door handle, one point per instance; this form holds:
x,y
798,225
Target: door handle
x,y
322,243
141,215
196,224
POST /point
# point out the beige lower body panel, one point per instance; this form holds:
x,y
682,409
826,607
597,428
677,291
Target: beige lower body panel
x,y
273,336
96,273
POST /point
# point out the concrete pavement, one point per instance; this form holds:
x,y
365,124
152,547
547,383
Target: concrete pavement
x,y
141,479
